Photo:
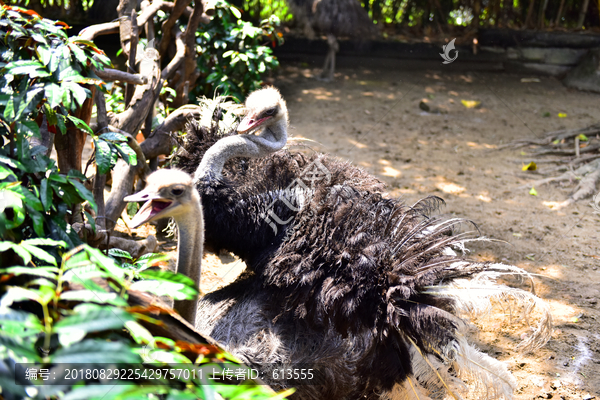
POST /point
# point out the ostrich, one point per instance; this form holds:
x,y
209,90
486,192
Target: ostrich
x,y
170,193
361,287
334,18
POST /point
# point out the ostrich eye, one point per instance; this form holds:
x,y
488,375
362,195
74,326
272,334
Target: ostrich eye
x,y
270,111
177,191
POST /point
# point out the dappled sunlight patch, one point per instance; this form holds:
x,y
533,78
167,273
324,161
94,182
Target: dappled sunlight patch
x,y
358,144
481,145
321,94
391,172
449,187
484,198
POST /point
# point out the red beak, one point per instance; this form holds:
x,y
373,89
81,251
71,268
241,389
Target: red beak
x,y
250,123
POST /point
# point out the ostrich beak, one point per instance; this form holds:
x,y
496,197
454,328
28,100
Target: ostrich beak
x,y
154,208
250,123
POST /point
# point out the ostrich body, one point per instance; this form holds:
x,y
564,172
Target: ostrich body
x,y
334,18
363,288
170,193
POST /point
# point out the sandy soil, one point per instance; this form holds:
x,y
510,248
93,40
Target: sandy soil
x,y
371,116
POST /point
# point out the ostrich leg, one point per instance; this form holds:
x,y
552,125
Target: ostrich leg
x,y
330,59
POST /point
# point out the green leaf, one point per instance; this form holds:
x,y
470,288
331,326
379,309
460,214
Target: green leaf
x,y
20,350
5,173
93,296
95,351
60,122
138,332
79,93
39,253
90,318
44,272
29,98
53,94
79,54
18,294
31,200
166,283
127,153
84,193
533,192
38,220
19,323
91,220
28,128
236,13
45,194
120,253
20,251
114,136
23,67
103,156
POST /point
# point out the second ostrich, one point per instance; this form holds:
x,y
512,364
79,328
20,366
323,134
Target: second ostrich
x,y
333,18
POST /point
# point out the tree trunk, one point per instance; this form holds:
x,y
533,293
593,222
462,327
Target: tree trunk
x,y
582,12
69,146
559,13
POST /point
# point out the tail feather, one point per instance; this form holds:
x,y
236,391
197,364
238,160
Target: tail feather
x,y
478,295
488,378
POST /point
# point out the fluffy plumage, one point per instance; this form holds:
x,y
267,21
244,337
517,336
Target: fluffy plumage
x,y
363,288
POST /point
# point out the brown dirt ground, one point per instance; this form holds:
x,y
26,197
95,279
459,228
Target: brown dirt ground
x,y
370,115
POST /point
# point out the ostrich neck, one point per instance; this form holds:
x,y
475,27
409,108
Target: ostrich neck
x,y
190,242
270,139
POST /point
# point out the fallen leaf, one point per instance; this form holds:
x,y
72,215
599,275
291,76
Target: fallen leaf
x,y
470,103
517,234
583,138
530,257
529,167
533,192
562,115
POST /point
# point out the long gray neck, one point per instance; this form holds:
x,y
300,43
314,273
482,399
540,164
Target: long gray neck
x,y
190,245
271,139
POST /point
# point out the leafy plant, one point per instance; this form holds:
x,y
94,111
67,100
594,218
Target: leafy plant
x,y
43,69
35,199
60,314
233,56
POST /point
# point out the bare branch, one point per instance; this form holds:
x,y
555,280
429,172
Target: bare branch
x,y
110,74
144,96
178,8
91,32
170,69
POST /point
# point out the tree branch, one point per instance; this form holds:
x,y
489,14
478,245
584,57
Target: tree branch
x,y
178,8
109,74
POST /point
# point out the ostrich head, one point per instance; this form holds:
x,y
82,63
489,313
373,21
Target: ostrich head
x,y
262,132
172,193
168,193
264,107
